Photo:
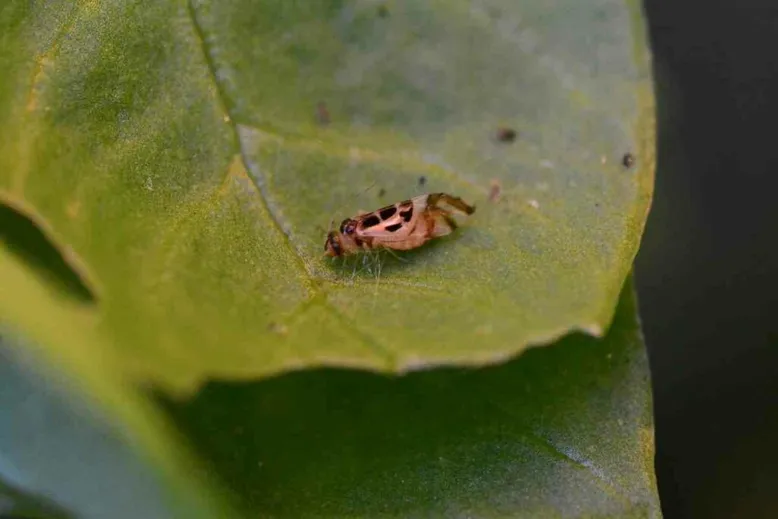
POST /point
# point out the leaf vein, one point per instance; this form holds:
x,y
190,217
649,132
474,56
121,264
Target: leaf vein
x,y
256,176
576,459
365,337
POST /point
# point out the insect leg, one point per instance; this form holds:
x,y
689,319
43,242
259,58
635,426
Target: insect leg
x,y
454,201
354,271
366,263
377,280
439,222
396,256
449,220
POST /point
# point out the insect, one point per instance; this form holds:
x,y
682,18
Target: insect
x,y
401,226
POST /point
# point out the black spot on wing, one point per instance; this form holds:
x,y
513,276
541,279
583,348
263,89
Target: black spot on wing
x,y
370,221
394,227
387,212
407,214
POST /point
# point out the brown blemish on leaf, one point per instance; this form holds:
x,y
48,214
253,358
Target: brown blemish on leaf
x,y
628,160
494,190
506,135
322,114
72,209
278,328
37,79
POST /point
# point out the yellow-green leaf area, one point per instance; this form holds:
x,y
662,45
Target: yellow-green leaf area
x,y
189,155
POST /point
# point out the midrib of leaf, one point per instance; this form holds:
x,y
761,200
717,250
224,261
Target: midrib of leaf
x,y
564,453
224,106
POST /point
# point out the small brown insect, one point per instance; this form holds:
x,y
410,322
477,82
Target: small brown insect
x,y
401,226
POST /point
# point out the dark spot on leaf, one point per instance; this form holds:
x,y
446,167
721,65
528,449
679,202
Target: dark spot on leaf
x,y
407,214
387,212
394,227
381,192
422,180
383,11
370,221
322,114
494,191
628,160
277,328
506,134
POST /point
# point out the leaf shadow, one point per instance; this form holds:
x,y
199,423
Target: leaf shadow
x,y
27,241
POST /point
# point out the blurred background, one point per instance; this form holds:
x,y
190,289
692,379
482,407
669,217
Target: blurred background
x,y
707,271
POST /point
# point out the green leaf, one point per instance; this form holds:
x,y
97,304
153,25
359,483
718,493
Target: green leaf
x,y
173,152
75,439
564,431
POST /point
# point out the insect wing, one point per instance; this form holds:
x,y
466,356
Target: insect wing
x,y
393,223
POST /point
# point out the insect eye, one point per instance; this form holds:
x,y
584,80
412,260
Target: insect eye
x,y
347,226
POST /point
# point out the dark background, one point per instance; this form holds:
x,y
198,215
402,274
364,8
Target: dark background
x,y
707,271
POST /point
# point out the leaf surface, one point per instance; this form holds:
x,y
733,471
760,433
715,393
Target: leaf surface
x,y
176,153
